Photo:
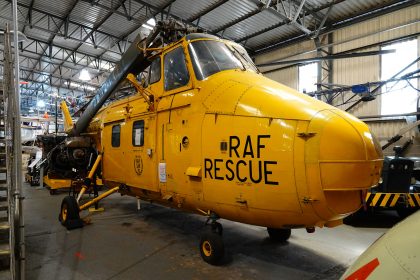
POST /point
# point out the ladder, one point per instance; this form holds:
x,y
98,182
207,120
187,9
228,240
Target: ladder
x,y
11,219
5,253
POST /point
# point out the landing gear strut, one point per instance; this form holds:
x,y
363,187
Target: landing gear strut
x,y
212,248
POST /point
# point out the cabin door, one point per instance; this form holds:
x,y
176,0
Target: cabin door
x,y
114,156
142,158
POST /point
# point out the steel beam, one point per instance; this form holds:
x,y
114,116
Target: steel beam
x,y
366,15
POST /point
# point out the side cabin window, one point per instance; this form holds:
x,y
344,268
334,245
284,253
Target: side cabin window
x,y
116,133
176,73
154,75
138,133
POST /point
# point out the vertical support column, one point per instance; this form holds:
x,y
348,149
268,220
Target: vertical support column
x,y
325,67
19,246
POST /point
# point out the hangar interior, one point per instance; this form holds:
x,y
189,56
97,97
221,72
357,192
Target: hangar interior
x,y
359,56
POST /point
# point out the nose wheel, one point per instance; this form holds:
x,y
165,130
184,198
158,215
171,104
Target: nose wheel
x,y
212,248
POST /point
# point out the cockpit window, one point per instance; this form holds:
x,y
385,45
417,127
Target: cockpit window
x,y
154,71
244,55
175,70
210,57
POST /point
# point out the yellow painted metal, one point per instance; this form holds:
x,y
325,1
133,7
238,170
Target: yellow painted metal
x,y
90,176
100,197
64,213
394,200
139,88
385,199
95,166
68,122
410,201
206,247
240,145
416,196
55,184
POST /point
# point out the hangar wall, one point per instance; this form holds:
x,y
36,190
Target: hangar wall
x,y
364,36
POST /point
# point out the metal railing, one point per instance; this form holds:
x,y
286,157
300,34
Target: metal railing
x,y
13,158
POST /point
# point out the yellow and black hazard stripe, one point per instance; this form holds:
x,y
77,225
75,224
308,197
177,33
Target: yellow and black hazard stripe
x,y
382,199
413,199
390,199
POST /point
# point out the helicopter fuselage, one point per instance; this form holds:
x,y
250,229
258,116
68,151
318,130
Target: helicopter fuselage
x,y
236,144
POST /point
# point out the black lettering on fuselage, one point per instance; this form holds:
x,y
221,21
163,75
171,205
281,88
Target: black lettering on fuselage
x,y
248,148
208,168
243,179
232,147
232,174
217,169
256,181
268,172
237,168
259,145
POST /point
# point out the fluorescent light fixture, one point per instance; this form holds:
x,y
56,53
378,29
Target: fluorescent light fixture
x,y
40,104
84,75
150,24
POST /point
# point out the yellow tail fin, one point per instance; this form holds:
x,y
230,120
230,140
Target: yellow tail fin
x,y
68,122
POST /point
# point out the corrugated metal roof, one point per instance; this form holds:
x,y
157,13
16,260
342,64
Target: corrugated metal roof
x,y
252,24
227,13
239,18
87,14
274,35
60,8
184,9
117,25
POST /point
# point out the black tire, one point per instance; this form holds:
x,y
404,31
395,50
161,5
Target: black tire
x,y
69,210
212,249
279,234
404,212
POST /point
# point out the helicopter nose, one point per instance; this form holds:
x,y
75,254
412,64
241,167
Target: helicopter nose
x,y
342,159
349,157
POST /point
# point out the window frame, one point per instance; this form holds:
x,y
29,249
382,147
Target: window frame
x,y
386,107
300,78
133,137
113,143
160,71
186,67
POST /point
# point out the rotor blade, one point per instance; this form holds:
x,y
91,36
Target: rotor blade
x,y
327,57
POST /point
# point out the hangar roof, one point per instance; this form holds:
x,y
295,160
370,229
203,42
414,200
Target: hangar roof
x,y
67,36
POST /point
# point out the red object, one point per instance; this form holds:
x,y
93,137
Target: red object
x,y
79,255
363,272
23,82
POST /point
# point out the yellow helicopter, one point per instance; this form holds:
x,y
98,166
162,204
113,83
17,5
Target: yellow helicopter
x,y
209,134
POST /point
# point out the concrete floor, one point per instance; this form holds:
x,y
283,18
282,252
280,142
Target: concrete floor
x,y
161,243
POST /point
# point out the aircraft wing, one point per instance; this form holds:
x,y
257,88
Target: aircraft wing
x,y
395,255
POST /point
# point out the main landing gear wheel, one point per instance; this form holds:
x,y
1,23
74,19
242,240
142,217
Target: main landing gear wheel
x,y
69,213
212,249
279,234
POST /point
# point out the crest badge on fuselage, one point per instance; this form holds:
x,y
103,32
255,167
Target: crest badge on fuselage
x,y
138,165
